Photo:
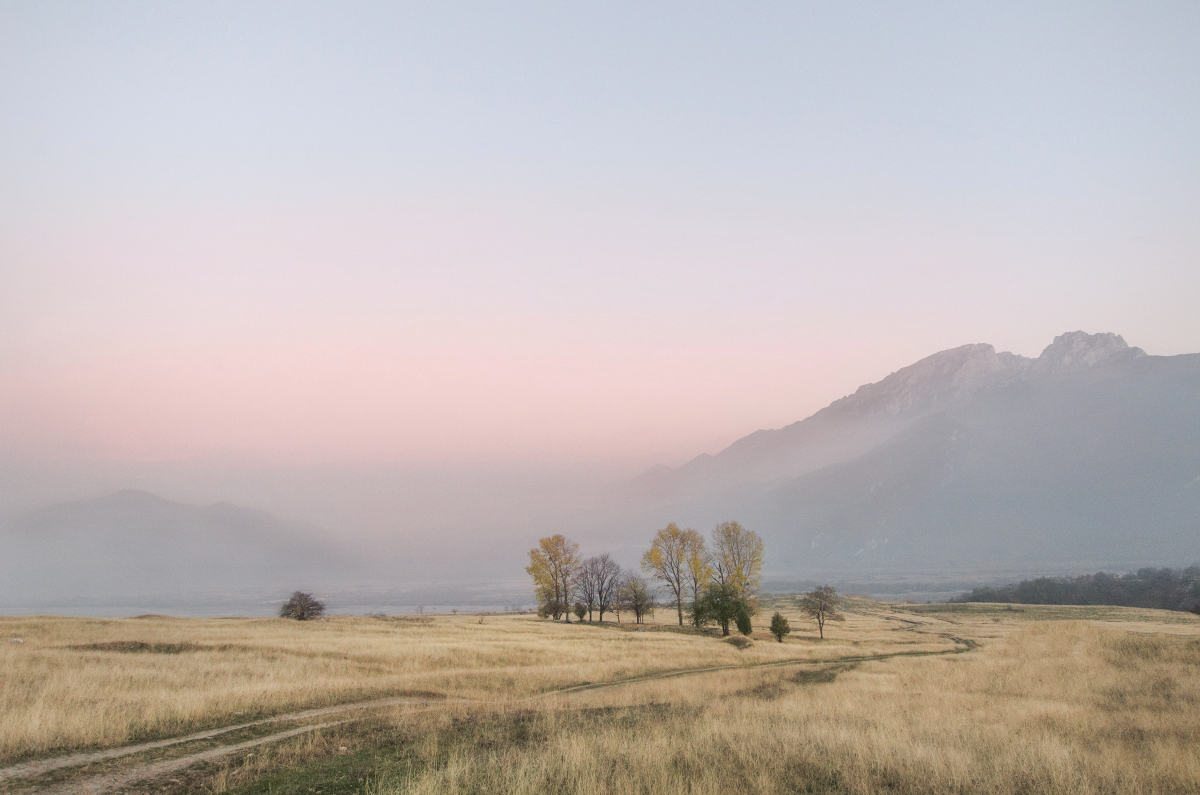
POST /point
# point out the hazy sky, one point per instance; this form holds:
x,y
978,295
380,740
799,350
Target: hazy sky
x,y
359,232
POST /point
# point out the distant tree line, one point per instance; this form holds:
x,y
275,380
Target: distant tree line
x,y
1165,589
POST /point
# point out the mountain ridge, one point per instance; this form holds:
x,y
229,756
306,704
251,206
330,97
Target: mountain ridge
x,y
970,459
133,541
889,404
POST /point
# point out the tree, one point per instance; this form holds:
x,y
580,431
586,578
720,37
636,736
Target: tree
x,y
587,584
637,596
779,626
742,619
698,570
554,566
580,610
721,602
302,607
667,560
737,557
822,605
608,584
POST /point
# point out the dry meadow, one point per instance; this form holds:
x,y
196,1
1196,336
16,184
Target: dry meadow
x,y
898,699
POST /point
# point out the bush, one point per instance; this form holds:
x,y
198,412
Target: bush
x,y
302,607
722,603
779,626
580,610
742,619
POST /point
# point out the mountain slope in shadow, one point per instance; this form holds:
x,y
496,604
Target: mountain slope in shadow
x,y
971,460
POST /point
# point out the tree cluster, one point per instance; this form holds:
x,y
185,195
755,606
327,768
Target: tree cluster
x,y
1164,589
565,583
708,581
717,584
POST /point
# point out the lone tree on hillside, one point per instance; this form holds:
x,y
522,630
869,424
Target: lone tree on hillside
x,y
779,626
667,559
822,605
554,565
302,607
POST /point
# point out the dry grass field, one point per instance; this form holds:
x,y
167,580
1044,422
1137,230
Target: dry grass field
x,y
897,699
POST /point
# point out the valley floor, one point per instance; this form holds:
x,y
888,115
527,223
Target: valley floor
x,y
898,698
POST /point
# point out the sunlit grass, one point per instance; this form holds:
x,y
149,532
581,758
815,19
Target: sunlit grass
x,y
77,682
1042,705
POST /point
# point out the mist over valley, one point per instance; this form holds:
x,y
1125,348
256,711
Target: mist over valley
x,y
967,467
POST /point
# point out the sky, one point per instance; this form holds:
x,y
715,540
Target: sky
x,y
488,234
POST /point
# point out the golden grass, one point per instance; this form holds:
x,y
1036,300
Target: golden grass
x,y
1044,705
1053,708
78,683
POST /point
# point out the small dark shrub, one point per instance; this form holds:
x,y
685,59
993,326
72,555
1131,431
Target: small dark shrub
x,y
743,622
779,626
580,610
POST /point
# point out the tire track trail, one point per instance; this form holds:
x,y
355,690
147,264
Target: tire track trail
x,y
108,782
39,767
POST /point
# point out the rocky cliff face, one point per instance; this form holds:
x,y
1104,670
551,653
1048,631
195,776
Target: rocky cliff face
x,y
1077,350
935,380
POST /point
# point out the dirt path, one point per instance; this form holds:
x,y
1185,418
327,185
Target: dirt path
x,y
109,782
37,768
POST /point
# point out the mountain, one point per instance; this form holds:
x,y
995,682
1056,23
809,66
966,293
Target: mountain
x,y
970,460
134,544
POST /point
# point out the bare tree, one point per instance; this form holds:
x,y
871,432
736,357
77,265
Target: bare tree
x,y
302,607
608,584
587,584
821,605
637,596
667,560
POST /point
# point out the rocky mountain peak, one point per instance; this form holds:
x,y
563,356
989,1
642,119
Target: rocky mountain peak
x,y
1078,349
949,375
940,378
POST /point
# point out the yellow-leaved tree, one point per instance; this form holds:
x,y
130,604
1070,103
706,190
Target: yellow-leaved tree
x,y
554,565
678,558
667,560
698,566
737,557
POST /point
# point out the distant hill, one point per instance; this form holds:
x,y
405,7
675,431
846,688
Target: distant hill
x,y
133,543
970,460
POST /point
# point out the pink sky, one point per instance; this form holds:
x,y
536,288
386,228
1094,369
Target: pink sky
x,y
448,334
422,234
